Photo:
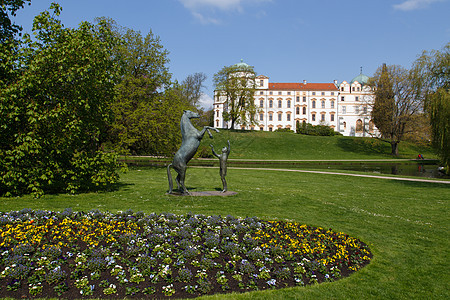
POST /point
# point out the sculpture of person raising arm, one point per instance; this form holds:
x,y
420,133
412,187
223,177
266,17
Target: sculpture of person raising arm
x,y
223,163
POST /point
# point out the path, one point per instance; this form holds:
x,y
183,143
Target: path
x,y
338,173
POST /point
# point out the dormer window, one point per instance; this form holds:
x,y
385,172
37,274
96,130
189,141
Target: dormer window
x,y
261,82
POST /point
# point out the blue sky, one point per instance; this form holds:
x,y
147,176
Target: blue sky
x,y
286,40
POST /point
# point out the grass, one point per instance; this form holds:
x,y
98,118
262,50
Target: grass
x,y
405,224
282,145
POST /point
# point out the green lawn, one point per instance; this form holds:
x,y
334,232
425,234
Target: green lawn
x,y
406,224
282,145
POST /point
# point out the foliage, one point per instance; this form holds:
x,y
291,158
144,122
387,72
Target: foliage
x,y
432,73
191,87
54,117
147,106
7,28
317,130
42,244
397,101
236,85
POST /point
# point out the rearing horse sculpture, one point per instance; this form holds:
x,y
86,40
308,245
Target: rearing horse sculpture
x,y
190,140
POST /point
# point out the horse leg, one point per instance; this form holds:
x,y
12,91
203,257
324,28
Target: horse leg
x,y
182,176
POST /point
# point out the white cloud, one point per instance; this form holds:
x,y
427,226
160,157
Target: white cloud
x,y
206,102
202,9
414,4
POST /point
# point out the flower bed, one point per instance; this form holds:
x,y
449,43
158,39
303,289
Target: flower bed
x,y
96,254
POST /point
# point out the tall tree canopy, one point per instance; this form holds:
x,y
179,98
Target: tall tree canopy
x,y
236,85
397,101
147,106
432,73
54,117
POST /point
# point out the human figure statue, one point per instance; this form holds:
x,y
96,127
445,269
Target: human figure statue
x,y
190,140
223,163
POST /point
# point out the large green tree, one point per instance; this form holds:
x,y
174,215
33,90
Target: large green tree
x,y
236,86
54,116
432,74
397,102
147,106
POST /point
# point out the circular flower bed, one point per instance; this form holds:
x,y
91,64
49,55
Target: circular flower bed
x,y
96,254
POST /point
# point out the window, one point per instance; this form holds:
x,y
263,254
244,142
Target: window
x,y
313,104
270,128
359,126
279,116
261,93
353,88
313,117
261,117
280,93
304,99
344,109
304,110
288,117
270,116
261,103
358,89
314,93
279,103
323,103
217,113
332,93
271,103
261,128
356,98
332,117
297,99
261,82
271,93
288,93
332,104
322,117
289,104
342,98
342,89
217,123
356,109
323,93
297,110
365,110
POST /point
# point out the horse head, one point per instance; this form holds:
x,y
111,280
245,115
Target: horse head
x,y
191,114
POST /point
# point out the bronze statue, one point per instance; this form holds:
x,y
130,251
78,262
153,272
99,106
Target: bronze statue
x,y
223,163
190,140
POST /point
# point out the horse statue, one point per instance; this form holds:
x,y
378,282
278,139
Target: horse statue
x,y
190,140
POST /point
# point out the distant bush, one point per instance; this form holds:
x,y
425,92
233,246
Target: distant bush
x,y
283,130
317,130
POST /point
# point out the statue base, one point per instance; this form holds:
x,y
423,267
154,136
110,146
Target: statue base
x,y
204,194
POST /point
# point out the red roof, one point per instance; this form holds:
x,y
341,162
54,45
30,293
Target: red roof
x,y
303,86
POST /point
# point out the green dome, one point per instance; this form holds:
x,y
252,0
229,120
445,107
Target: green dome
x,y
361,78
242,65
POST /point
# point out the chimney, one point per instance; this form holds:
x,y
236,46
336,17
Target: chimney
x,y
304,81
335,82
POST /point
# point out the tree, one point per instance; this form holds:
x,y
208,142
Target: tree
x,y
191,89
396,103
432,74
53,118
236,85
8,43
7,28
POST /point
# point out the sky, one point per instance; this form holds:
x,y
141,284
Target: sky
x,y
286,40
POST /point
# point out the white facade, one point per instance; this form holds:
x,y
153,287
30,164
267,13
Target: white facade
x,y
345,107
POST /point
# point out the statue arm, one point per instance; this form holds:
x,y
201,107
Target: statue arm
x,y
213,152
229,147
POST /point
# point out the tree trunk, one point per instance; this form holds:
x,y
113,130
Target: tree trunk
x,y
394,148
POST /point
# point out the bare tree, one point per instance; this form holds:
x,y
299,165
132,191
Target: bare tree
x,y
397,102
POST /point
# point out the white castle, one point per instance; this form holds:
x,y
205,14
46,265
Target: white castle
x,y
345,107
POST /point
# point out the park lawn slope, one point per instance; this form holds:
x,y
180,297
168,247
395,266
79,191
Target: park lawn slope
x,y
291,146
